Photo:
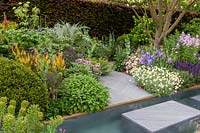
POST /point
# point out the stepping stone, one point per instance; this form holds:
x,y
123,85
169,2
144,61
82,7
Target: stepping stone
x,y
122,87
166,117
196,98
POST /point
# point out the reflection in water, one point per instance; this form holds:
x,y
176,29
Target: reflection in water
x,y
197,125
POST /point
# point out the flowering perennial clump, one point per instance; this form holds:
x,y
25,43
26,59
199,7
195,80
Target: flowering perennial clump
x,y
159,81
187,40
157,58
187,48
132,62
95,67
188,66
34,60
147,59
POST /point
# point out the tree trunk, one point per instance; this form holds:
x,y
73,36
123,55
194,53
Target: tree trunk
x,y
162,18
158,42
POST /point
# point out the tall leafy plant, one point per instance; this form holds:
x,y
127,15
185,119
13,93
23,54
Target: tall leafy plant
x,y
64,35
27,17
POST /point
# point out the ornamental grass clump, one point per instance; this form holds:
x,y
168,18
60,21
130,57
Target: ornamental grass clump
x,y
158,81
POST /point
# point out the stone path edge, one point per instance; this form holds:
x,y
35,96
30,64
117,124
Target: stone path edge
x,y
65,117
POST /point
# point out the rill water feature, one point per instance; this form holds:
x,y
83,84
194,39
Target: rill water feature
x,y
178,113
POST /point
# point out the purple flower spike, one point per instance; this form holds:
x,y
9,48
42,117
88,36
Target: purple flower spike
x,y
169,61
141,52
147,59
60,129
157,52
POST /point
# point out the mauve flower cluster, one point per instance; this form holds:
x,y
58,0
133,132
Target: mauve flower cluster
x,y
187,40
95,67
62,130
187,66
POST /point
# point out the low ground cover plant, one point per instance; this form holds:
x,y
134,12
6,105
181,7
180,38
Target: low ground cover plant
x,y
158,80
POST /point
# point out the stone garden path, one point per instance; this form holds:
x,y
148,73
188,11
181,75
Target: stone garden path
x,y
122,87
165,117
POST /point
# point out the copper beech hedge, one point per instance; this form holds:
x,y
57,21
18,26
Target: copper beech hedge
x,y
102,18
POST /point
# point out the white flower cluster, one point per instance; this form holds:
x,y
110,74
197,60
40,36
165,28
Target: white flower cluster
x,y
159,81
132,62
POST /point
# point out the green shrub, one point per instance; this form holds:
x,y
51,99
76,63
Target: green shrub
x,y
103,48
120,57
78,69
25,38
20,83
188,79
192,27
138,35
55,107
83,93
171,41
29,18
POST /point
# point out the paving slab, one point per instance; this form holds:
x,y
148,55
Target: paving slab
x,y
197,98
166,117
122,87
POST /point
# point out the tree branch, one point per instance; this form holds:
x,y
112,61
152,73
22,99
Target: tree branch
x,y
153,11
181,16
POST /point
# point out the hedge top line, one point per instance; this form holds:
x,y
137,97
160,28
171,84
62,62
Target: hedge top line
x,y
102,17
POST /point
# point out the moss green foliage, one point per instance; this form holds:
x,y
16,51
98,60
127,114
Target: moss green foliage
x,y
28,120
83,93
20,83
78,69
